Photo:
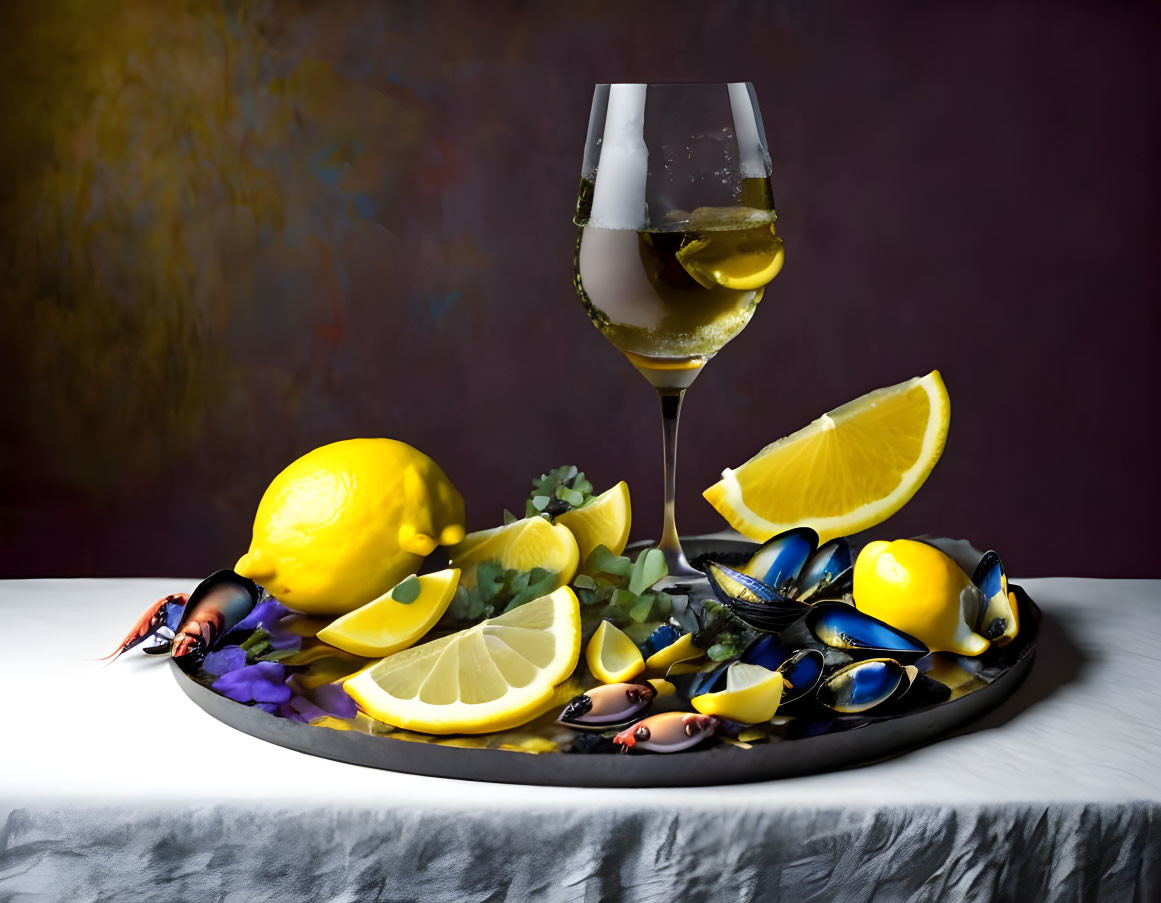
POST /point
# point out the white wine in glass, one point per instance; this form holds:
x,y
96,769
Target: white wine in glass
x,y
676,238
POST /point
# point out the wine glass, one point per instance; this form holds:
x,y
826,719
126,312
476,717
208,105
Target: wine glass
x,y
676,237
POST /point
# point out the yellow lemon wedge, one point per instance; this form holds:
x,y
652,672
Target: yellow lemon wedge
x,y
846,471
345,522
603,521
395,620
490,677
680,650
739,259
918,589
612,657
751,696
529,543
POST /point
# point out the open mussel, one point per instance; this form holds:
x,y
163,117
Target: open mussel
x,y
765,651
667,732
752,601
607,706
845,628
998,618
801,674
863,685
780,560
215,606
828,574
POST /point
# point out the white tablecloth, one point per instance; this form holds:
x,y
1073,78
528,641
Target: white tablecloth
x,y
115,786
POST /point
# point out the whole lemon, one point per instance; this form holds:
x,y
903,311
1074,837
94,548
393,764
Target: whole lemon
x,y
918,589
346,522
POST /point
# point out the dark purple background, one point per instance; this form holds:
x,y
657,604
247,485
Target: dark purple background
x,y
969,187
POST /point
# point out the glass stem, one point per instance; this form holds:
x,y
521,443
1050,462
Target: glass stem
x,y
670,543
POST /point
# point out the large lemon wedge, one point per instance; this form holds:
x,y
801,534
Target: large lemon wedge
x,y
611,656
490,677
739,259
396,619
603,521
529,543
848,470
751,696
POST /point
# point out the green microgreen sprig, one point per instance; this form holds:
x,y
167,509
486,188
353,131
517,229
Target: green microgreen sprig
x,y
497,590
556,492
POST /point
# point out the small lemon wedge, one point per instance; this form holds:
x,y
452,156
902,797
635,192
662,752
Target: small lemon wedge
x,y
739,259
846,471
523,545
680,650
490,677
603,521
612,657
396,619
918,589
751,696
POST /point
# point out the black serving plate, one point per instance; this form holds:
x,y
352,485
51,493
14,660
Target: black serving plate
x,y
840,743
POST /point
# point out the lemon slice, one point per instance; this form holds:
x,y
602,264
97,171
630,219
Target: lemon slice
x,y
848,470
740,259
603,521
612,657
490,677
396,619
751,695
523,545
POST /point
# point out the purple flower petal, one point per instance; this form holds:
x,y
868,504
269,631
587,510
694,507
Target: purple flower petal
x,y
288,712
335,701
221,661
284,639
270,707
306,708
264,616
260,682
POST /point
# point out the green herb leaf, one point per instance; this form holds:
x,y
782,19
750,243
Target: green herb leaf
x,y
509,517
407,591
584,581
647,570
641,608
601,559
255,639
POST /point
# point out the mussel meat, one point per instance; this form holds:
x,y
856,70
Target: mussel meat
x,y
607,706
863,685
667,732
